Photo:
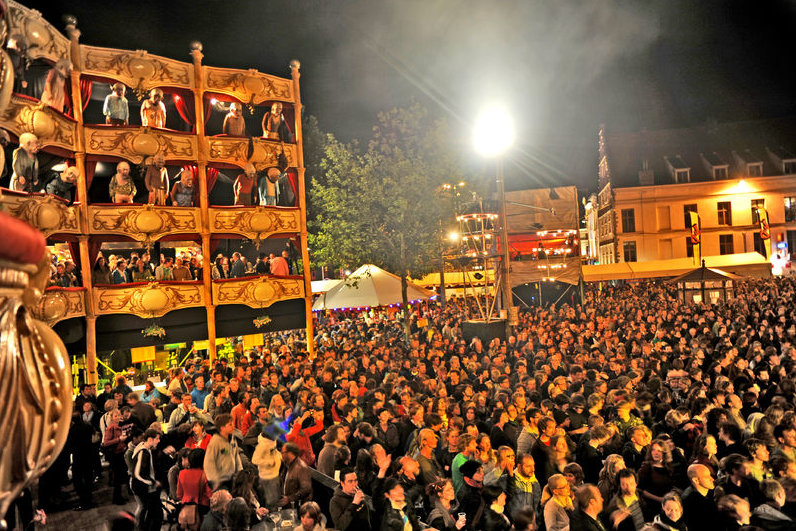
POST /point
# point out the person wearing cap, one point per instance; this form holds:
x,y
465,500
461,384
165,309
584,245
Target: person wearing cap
x,y
469,496
116,108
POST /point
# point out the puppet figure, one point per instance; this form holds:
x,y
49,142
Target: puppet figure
x,y
274,124
122,189
234,125
54,93
153,112
157,180
115,108
25,164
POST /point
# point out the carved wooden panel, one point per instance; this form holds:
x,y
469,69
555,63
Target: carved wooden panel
x,y
58,304
256,223
43,40
154,299
47,213
144,223
249,86
257,292
265,153
138,143
137,69
52,128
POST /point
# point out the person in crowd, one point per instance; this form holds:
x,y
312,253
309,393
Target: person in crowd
x,y
188,412
310,517
121,188
215,520
628,510
62,185
153,111
115,108
734,512
444,514
268,460
350,509
119,275
397,514
100,273
234,124
296,482
559,508
222,458
181,271
279,266
157,180
588,511
469,496
490,516
144,483
25,164
193,487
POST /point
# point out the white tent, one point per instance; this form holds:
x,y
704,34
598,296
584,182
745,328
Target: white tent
x,y
322,286
367,287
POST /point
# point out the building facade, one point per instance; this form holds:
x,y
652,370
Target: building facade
x,y
650,181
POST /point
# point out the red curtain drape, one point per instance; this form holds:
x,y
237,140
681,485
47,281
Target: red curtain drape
x,y
186,109
86,86
91,167
212,175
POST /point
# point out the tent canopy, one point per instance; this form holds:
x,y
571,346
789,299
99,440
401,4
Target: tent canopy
x,y
322,286
367,287
746,264
705,274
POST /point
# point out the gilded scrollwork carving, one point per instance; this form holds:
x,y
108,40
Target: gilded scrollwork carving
x,y
143,223
250,87
138,144
45,212
152,300
42,39
137,69
257,292
25,115
58,304
256,223
264,154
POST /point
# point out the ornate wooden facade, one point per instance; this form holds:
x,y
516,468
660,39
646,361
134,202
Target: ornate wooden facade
x,y
86,222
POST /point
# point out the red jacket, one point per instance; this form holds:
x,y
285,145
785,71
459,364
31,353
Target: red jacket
x,y
301,437
189,483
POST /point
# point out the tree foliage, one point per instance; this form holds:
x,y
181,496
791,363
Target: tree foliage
x,y
382,205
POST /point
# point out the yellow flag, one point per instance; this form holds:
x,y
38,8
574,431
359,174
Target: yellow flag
x,y
765,231
696,236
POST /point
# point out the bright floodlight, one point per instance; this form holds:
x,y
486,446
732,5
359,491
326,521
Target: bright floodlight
x,y
453,236
494,131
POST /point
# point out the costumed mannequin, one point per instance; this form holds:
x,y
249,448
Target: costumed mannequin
x,y
157,180
234,124
116,108
4,141
267,187
184,192
274,124
18,51
244,185
35,387
153,112
25,164
54,93
122,189
63,184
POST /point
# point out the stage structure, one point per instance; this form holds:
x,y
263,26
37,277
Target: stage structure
x,y
105,316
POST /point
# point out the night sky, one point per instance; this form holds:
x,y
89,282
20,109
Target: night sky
x,y
562,66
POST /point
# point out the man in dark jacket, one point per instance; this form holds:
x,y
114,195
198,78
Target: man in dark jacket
x,y
397,512
349,507
469,495
589,504
143,483
699,509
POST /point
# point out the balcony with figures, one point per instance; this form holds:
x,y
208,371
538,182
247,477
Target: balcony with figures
x,y
77,138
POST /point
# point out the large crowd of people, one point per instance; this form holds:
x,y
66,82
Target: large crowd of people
x,y
629,411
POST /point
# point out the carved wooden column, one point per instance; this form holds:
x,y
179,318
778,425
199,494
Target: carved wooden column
x,y
86,261
302,191
204,198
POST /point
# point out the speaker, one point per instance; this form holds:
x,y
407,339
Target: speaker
x,y
485,331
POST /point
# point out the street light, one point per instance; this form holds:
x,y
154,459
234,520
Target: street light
x,y
493,136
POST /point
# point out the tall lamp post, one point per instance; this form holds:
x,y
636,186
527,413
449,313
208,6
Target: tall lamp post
x,y
493,136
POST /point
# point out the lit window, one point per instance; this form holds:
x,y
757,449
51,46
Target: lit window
x,y
628,220
726,244
725,212
629,249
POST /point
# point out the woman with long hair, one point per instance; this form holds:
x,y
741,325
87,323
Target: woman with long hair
x,y
115,445
100,273
705,450
490,515
443,515
560,456
486,455
607,482
192,485
246,486
656,474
